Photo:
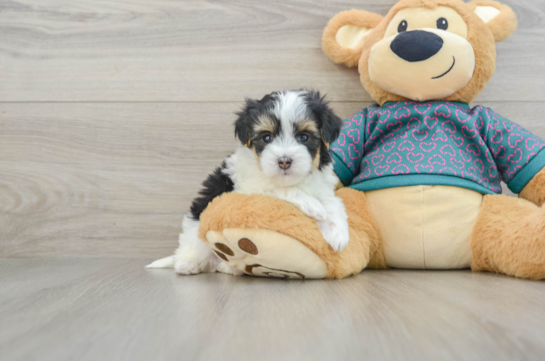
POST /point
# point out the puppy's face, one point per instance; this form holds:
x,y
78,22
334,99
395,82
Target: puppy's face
x,y
289,132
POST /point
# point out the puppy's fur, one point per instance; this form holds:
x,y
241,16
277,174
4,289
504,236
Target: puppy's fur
x,y
284,154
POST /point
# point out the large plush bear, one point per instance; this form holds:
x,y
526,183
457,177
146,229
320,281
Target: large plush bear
x,y
421,170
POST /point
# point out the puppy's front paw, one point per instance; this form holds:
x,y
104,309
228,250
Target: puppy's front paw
x,y
336,235
314,209
186,266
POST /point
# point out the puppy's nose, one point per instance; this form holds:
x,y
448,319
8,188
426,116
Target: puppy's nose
x,y
416,45
284,162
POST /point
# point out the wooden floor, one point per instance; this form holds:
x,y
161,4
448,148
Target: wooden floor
x,y
111,114
114,309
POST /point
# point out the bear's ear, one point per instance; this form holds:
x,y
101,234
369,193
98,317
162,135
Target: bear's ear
x,y
345,34
499,18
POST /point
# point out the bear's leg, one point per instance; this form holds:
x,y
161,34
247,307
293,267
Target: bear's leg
x,y
509,237
264,236
535,189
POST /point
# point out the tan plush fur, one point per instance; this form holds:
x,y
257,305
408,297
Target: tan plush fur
x,y
363,228
535,189
235,210
509,237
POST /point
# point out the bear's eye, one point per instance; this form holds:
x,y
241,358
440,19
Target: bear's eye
x,y
442,24
402,26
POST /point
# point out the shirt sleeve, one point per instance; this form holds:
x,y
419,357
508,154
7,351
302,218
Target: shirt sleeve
x,y
519,155
347,150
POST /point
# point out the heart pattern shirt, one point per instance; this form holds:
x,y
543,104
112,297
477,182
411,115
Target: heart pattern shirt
x,y
435,143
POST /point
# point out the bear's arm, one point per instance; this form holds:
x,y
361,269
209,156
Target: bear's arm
x,y
535,189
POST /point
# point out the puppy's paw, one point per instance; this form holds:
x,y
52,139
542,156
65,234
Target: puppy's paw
x,y
314,209
225,268
186,266
335,234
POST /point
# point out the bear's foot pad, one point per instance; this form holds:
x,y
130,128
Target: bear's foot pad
x,y
264,253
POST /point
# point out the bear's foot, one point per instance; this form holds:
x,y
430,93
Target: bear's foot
x,y
509,238
259,252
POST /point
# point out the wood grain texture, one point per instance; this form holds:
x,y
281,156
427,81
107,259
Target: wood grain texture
x,y
114,179
106,309
197,50
112,113
110,179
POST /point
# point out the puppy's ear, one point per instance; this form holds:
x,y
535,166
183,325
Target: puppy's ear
x,y
329,123
345,34
499,18
245,121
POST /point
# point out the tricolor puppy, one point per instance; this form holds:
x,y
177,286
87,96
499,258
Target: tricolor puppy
x,y
284,154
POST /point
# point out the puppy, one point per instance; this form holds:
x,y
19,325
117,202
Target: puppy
x,y
284,154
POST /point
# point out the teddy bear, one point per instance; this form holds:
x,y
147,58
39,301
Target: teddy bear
x,y
420,170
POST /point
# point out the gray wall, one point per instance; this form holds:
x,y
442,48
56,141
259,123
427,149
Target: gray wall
x,y
112,113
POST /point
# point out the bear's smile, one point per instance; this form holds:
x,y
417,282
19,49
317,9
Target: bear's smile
x,y
448,71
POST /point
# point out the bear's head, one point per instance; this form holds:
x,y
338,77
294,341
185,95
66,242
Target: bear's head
x,y
422,49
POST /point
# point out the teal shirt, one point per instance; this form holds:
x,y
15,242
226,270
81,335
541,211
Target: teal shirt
x,y
435,143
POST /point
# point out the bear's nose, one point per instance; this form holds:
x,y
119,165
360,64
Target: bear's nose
x,y
416,45
284,162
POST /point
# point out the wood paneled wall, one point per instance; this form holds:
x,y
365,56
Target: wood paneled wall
x,y
112,112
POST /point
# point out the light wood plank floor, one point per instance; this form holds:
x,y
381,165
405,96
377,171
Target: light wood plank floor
x,y
113,309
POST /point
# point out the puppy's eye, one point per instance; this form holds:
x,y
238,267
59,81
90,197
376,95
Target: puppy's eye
x,y
442,24
302,138
267,138
402,26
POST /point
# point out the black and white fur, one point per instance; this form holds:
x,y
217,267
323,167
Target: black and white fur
x,y
284,154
